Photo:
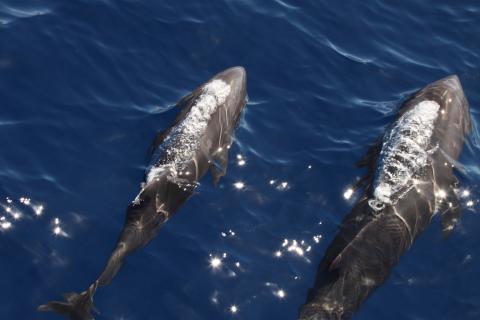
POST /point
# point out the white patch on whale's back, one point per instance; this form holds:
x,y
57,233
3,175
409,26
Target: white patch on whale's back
x,y
404,152
182,142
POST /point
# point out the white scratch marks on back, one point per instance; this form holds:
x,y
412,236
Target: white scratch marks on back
x,y
404,153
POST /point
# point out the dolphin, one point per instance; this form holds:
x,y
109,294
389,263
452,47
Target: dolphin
x,y
198,141
409,179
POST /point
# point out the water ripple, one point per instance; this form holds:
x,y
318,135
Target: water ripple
x,y
86,85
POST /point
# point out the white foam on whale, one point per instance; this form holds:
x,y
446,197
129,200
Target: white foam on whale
x,y
182,143
405,151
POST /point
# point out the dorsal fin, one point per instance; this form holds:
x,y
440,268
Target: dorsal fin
x,y
368,161
371,155
218,167
185,104
158,140
187,99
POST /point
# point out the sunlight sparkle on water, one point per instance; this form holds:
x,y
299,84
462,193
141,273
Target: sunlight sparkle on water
x,y
38,210
280,293
241,161
215,262
239,185
348,193
230,233
25,201
465,193
294,247
57,229
233,309
298,248
282,186
5,225
470,203
16,214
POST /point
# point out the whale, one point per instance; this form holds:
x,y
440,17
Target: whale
x,y
198,141
409,179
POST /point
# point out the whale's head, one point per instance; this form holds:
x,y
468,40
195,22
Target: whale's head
x,y
453,122
236,80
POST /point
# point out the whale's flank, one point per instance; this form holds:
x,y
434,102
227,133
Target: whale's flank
x,y
183,155
410,178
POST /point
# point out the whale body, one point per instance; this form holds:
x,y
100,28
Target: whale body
x,y
198,141
409,179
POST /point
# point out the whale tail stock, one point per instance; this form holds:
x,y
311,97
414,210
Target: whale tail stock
x,y
354,264
76,306
79,306
143,219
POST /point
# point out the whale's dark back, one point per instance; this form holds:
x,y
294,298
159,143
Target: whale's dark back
x,y
370,242
183,153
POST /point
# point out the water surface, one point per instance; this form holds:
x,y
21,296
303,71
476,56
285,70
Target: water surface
x,y
85,86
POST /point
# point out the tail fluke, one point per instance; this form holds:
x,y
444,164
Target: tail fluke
x,y
76,306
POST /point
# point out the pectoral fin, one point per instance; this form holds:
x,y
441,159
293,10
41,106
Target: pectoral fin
x,y
218,167
185,105
159,138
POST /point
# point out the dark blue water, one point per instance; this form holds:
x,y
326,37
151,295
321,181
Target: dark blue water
x,y
85,85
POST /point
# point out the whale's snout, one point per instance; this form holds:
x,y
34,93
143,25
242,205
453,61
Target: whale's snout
x,y
449,84
236,77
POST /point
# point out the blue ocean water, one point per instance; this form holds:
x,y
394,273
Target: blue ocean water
x,y
85,86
